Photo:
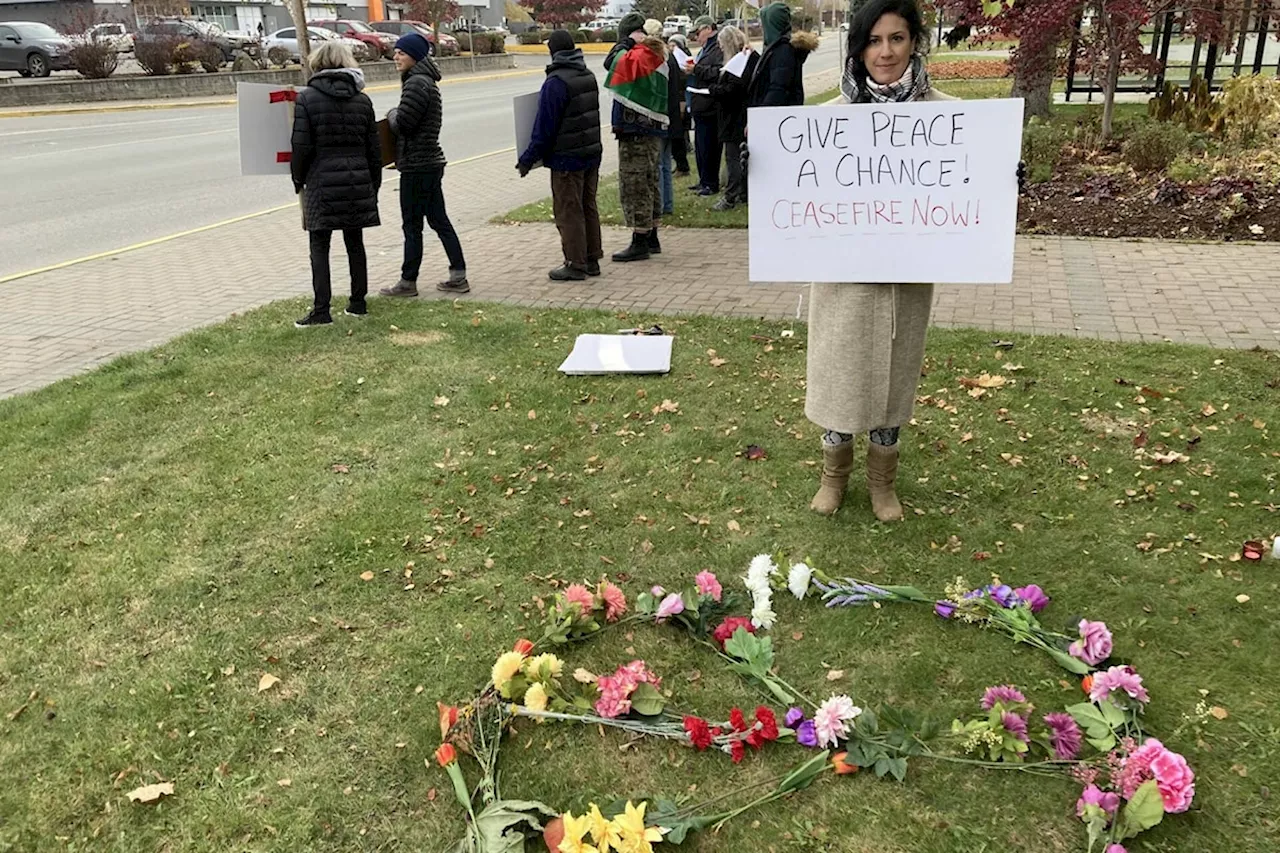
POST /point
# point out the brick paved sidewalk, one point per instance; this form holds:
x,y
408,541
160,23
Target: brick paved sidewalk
x,y
67,321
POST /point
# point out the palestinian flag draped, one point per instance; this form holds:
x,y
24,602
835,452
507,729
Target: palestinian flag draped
x,y
638,79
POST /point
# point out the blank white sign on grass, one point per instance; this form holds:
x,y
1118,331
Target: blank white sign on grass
x,y
595,355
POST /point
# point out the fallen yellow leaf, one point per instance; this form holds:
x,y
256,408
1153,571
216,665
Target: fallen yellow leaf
x,y
148,794
366,576
267,682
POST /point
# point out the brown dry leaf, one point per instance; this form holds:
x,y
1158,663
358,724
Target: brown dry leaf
x,y
966,438
1219,713
431,795
1207,410
230,669
366,576
1259,424
1012,458
718,362
835,674
984,380
1171,457
440,401
284,783
583,676
267,682
734,526
149,794
533,415
666,406
339,468
798,636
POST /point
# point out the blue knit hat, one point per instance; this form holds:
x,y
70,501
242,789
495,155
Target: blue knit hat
x,y
414,44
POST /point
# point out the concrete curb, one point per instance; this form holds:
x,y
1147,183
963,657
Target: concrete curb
x,y
80,109
187,86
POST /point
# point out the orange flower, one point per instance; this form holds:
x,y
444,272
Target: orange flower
x,y
446,755
523,646
1087,684
843,767
448,718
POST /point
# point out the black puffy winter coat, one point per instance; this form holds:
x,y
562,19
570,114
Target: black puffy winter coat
x,y
336,155
778,80
417,120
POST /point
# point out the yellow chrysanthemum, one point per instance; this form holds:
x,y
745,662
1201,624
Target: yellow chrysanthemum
x,y
535,698
628,834
506,667
543,666
574,829
599,828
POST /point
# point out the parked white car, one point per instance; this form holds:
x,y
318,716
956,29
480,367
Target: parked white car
x,y
287,40
114,34
674,24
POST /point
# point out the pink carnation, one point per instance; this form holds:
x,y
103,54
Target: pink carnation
x,y
1115,848
615,603
615,690
1173,775
1094,645
1123,678
708,585
576,593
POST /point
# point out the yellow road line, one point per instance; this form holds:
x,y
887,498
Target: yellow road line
x,y
97,256
230,102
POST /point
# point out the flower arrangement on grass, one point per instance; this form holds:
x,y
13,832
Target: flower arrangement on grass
x,y
1129,781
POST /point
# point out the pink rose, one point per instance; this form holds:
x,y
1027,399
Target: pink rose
x,y
670,606
1094,645
708,585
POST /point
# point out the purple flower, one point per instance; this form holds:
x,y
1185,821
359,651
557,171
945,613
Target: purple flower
x,y
1004,595
1064,736
1033,596
672,605
1118,679
794,718
974,593
807,734
944,609
1005,694
1094,645
1015,725
1094,796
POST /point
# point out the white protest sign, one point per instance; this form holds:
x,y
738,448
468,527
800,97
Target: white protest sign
x,y
598,354
904,192
738,64
525,108
265,116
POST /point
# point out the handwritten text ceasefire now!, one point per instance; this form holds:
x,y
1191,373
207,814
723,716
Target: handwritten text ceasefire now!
x,y
906,151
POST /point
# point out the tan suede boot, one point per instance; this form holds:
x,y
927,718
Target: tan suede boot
x,y
837,465
882,470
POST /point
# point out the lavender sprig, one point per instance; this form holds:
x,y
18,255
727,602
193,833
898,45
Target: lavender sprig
x,y
847,592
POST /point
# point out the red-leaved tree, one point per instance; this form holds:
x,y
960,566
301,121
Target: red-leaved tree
x,y
557,13
432,12
1041,27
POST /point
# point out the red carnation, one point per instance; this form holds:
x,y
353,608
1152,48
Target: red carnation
x,y
699,732
737,720
737,750
768,723
726,629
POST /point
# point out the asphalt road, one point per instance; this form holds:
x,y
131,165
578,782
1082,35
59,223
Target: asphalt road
x,y
76,185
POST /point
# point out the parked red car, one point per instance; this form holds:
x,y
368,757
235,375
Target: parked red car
x,y
382,44
444,44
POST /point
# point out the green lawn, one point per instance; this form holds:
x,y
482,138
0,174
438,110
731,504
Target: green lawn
x,y
184,520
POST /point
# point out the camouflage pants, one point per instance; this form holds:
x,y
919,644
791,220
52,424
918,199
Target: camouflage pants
x,y
638,180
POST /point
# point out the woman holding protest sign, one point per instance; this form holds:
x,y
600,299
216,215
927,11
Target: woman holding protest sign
x,y
866,341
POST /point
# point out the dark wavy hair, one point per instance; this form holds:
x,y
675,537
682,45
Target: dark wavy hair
x,y
865,21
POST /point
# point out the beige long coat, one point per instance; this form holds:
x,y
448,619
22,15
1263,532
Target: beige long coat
x,y
866,347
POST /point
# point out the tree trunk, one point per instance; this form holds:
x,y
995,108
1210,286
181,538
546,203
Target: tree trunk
x,y
1035,84
1109,84
299,14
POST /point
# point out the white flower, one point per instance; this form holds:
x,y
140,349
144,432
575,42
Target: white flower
x,y
798,580
831,717
759,572
843,707
762,615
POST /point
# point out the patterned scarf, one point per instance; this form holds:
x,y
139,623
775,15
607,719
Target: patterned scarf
x,y
913,85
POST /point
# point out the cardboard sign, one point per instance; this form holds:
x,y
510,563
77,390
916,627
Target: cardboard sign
x,y
387,142
525,108
913,192
265,116
599,354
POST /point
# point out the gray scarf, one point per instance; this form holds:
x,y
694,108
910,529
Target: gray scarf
x,y
913,85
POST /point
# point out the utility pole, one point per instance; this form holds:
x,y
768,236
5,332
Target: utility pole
x,y
299,14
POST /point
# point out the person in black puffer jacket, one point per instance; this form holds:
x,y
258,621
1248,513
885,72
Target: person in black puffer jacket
x,y
420,161
778,80
336,164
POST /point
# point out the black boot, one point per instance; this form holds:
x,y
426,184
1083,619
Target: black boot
x,y
637,251
593,268
568,272
655,248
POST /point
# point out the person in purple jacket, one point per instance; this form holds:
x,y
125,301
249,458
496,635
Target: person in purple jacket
x,y
566,139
